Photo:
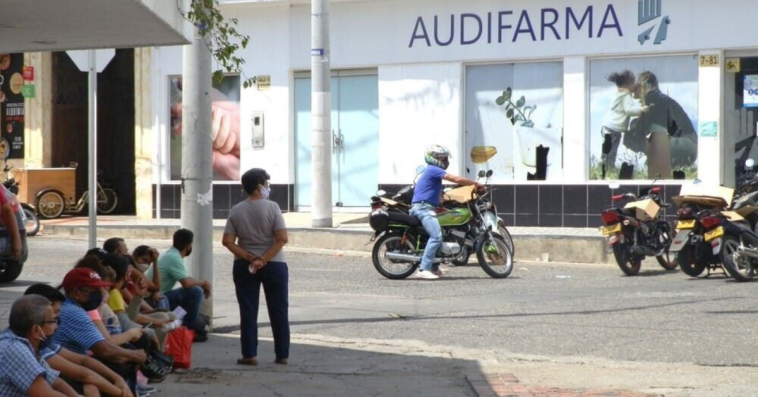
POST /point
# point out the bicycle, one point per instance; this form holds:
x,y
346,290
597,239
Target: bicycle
x,y
51,204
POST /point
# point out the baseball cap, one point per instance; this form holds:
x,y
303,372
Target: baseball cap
x,y
83,277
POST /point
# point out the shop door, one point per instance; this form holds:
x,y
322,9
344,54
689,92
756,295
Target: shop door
x,y
355,140
741,116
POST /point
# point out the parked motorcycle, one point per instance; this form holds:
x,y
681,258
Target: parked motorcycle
x,y
638,230
698,241
404,197
400,239
32,221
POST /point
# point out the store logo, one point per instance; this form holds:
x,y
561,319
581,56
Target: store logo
x,y
650,10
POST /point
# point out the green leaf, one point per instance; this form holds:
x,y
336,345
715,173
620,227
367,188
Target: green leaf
x,y
509,113
508,94
500,101
513,121
521,102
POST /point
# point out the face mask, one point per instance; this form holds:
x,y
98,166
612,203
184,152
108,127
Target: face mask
x,y
45,341
266,192
95,300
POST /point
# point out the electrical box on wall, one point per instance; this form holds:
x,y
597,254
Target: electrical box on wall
x,y
258,129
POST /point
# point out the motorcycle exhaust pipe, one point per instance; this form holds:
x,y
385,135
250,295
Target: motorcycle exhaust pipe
x,y
749,252
406,257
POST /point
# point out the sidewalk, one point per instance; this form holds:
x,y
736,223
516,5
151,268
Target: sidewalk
x,y
351,233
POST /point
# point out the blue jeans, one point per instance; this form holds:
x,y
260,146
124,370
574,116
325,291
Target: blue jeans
x,y
189,299
427,215
275,280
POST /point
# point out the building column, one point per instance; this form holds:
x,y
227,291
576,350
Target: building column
x,y
38,130
576,145
710,163
143,133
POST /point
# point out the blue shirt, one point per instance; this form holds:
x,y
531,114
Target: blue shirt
x,y
20,367
48,352
76,331
429,186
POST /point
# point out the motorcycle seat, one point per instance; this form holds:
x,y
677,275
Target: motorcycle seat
x,y
405,219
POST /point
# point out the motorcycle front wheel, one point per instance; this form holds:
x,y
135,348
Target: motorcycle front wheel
x,y
688,261
393,269
738,266
629,263
494,256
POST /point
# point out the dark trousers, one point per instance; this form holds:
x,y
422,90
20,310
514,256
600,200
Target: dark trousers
x,y
275,280
127,371
189,299
610,157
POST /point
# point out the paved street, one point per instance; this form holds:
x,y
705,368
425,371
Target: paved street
x,y
563,325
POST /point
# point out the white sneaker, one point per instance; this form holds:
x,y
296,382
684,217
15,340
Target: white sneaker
x,y
427,275
441,271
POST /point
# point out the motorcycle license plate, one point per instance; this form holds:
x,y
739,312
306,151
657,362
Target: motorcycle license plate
x,y
608,230
717,232
690,224
680,240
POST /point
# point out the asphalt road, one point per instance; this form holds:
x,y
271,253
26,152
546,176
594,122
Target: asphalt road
x,y
544,310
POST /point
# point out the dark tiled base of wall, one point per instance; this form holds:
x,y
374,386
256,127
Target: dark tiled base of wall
x,y
559,205
224,198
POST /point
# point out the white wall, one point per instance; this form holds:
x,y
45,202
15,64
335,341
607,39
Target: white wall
x,y
419,105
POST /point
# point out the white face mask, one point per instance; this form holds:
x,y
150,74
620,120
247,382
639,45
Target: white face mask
x,y
266,192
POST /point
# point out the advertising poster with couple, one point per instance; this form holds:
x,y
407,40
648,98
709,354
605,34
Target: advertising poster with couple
x,y
643,118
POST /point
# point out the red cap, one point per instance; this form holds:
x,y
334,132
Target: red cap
x,y
83,278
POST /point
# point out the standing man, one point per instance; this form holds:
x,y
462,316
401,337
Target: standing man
x,y
426,199
190,294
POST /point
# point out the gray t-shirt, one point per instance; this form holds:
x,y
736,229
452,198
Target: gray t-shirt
x,y
254,223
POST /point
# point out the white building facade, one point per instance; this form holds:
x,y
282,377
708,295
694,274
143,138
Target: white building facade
x,y
407,74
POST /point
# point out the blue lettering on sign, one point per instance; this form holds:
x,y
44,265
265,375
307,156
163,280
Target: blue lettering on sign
x,y
648,11
548,24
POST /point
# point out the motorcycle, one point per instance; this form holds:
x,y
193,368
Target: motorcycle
x,y
638,230
697,244
399,238
404,197
32,221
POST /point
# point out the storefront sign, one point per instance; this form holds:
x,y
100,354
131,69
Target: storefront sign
x,y
709,129
12,103
709,61
28,73
263,83
29,91
497,27
732,65
750,94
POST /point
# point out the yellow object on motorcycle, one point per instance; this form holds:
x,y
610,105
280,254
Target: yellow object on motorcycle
x,y
644,209
688,224
713,234
612,229
462,195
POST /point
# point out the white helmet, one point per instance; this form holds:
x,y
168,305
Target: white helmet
x,y
438,155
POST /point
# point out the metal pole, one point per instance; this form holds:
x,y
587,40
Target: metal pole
x,y
92,150
197,174
321,110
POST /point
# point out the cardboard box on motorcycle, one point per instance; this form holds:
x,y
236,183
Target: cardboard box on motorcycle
x,y
644,209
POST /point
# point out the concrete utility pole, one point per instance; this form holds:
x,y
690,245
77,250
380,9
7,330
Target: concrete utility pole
x,y
321,113
92,149
197,174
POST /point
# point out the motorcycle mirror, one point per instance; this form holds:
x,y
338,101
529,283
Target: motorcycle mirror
x,y
481,174
489,173
749,164
380,193
614,185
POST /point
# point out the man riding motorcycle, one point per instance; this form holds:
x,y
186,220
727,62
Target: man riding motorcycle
x,y
426,199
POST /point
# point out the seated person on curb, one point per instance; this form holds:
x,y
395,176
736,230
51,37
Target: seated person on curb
x,y
103,317
131,318
23,372
115,245
190,295
77,332
87,375
147,258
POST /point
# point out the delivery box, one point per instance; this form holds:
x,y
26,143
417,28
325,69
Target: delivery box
x,y
644,209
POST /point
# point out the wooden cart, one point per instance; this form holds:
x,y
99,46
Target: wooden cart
x,y
52,191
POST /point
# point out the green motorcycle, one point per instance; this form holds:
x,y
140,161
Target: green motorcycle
x,y
399,238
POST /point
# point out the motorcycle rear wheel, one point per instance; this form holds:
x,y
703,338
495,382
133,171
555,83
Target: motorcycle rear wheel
x,y
500,255
32,222
665,259
741,269
629,263
386,267
688,261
